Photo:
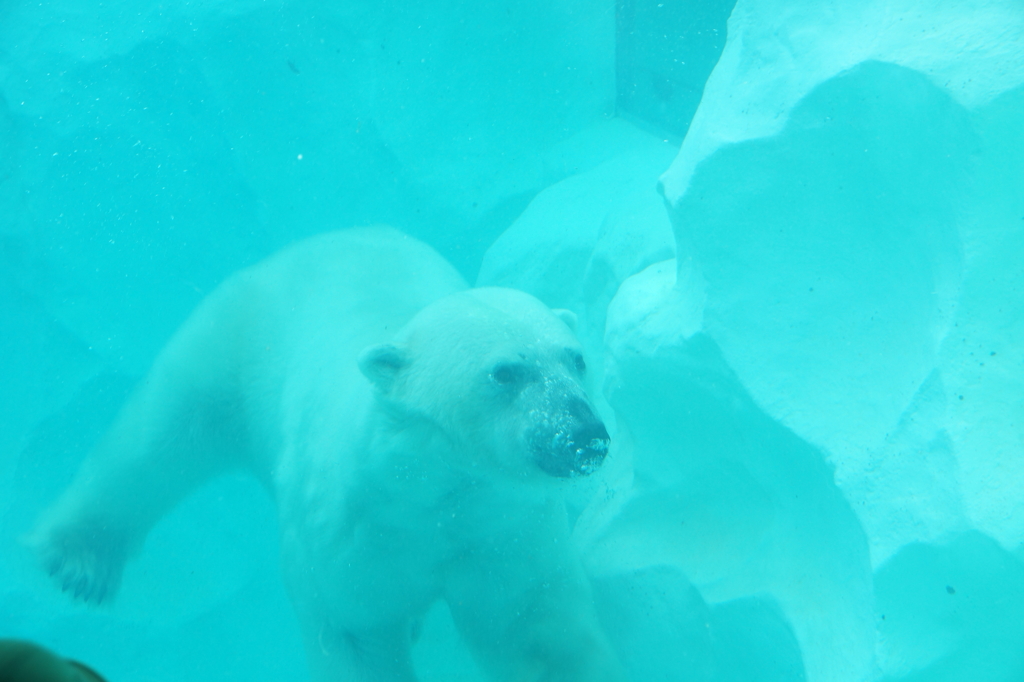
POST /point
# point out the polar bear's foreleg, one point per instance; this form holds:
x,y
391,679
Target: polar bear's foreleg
x,y
549,633
377,656
181,426
524,606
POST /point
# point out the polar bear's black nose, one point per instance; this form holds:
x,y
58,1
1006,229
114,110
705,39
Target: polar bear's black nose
x,y
591,443
572,442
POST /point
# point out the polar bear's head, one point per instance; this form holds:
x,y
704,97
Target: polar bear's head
x,y
500,376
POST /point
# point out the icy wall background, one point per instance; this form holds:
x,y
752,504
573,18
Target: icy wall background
x,y
810,334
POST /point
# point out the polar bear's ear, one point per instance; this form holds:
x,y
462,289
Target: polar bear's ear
x,y
381,364
567,316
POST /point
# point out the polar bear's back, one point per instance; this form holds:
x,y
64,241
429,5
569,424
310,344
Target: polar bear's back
x,y
370,272
351,287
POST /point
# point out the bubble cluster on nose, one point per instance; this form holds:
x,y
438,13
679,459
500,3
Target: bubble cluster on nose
x,y
567,438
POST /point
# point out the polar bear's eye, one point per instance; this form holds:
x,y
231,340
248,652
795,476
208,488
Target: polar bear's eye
x,y
578,362
507,373
575,361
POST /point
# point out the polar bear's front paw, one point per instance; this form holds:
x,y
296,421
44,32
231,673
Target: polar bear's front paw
x,y
85,565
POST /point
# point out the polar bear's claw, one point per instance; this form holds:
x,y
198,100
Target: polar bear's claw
x,y
90,573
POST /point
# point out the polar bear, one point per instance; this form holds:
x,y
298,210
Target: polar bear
x,y
413,434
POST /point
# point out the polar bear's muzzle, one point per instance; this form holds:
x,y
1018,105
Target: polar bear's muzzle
x,y
568,439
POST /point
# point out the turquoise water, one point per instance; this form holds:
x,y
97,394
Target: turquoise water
x,y
791,236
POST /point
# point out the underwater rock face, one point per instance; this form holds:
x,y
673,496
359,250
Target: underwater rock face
x,y
778,51
549,251
830,269
741,505
830,252
951,611
872,213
